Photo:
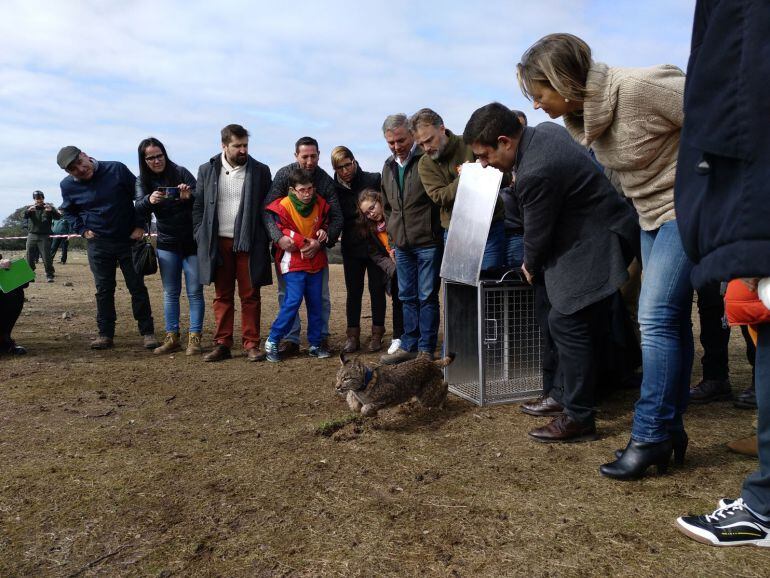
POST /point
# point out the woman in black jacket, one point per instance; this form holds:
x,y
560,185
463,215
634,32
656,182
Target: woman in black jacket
x,y
165,189
349,181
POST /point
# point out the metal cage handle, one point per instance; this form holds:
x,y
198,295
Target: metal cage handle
x,y
490,324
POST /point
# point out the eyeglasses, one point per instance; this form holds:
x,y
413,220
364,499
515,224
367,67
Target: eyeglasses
x,y
304,190
154,158
344,167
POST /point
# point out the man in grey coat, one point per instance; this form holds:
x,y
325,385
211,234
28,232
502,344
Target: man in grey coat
x,y
579,237
232,241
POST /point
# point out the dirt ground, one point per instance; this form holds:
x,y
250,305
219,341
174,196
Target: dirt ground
x,y
122,463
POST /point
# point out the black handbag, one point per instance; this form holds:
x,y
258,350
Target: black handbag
x,y
143,255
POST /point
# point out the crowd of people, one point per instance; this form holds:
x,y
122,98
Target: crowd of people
x,y
636,179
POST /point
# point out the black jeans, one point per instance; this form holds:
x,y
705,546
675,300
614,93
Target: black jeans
x,y
104,256
64,244
580,340
355,268
11,304
548,358
398,309
713,336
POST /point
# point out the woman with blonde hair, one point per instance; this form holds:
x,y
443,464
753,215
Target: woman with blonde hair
x,y
631,119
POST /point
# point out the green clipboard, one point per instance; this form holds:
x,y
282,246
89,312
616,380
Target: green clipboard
x,y
19,273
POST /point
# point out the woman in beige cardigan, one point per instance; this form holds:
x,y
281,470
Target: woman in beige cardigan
x,y
631,119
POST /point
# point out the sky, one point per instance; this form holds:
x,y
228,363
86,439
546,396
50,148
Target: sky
x,y
104,74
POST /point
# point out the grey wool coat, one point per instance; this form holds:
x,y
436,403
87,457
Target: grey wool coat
x,y
206,227
579,234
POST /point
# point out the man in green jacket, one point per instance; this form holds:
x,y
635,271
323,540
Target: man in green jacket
x,y
440,169
41,215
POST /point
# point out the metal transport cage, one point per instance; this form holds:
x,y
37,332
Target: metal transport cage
x,y
490,324
494,333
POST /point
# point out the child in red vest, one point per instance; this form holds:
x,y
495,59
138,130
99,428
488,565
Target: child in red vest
x,y
303,217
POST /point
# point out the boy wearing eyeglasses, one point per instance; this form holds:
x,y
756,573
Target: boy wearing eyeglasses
x,y
302,215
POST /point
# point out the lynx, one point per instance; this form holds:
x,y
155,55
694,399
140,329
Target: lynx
x,y
369,390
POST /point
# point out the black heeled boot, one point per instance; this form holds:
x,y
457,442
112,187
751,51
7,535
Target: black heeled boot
x,y
636,458
679,441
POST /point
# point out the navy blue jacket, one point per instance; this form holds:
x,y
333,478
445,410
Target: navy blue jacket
x,y
104,204
721,191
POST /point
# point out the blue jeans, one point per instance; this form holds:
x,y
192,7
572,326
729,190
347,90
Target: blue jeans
x,y
326,306
495,249
756,488
418,288
299,284
514,251
665,306
171,265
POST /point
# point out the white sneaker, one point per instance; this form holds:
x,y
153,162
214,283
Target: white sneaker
x,y
394,345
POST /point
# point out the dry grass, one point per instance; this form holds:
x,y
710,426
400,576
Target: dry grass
x,y
123,463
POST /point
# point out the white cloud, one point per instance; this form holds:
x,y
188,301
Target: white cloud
x,y
103,75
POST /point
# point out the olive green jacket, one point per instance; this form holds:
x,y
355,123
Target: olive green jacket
x,y
440,177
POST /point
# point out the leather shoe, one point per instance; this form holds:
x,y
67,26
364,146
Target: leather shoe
x,y
542,406
219,353
255,354
747,399
636,458
288,348
679,442
709,390
564,429
745,446
102,342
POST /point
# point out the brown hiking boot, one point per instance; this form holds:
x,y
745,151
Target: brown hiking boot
x,y
397,357
219,353
353,342
193,344
170,344
102,342
376,343
150,342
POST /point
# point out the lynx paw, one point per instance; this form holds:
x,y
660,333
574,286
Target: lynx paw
x,y
368,410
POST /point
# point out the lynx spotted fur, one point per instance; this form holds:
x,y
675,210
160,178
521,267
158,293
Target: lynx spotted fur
x,y
369,390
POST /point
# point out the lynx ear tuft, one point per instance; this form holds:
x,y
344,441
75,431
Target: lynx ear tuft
x,y
343,361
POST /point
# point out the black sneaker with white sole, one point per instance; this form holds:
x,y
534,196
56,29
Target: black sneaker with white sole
x,y
732,524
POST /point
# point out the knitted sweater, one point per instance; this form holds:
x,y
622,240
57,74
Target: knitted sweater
x,y
632,119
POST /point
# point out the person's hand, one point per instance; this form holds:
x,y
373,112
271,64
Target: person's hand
x,y
48,208
185,192
751,283
286,244
157,197
89,234
392,254
322,236
527,274
310,249
32,208
137,234
5,263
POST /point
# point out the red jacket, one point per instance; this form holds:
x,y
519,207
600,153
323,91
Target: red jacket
x,y
300,229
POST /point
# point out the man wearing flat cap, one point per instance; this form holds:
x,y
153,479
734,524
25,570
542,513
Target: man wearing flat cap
x,y
40,216
99,204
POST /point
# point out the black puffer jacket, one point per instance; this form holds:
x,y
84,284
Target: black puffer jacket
x,y
174,218
352,244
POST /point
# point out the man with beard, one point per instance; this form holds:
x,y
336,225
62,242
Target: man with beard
x,y
232,241
98,201
440,169
306,154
